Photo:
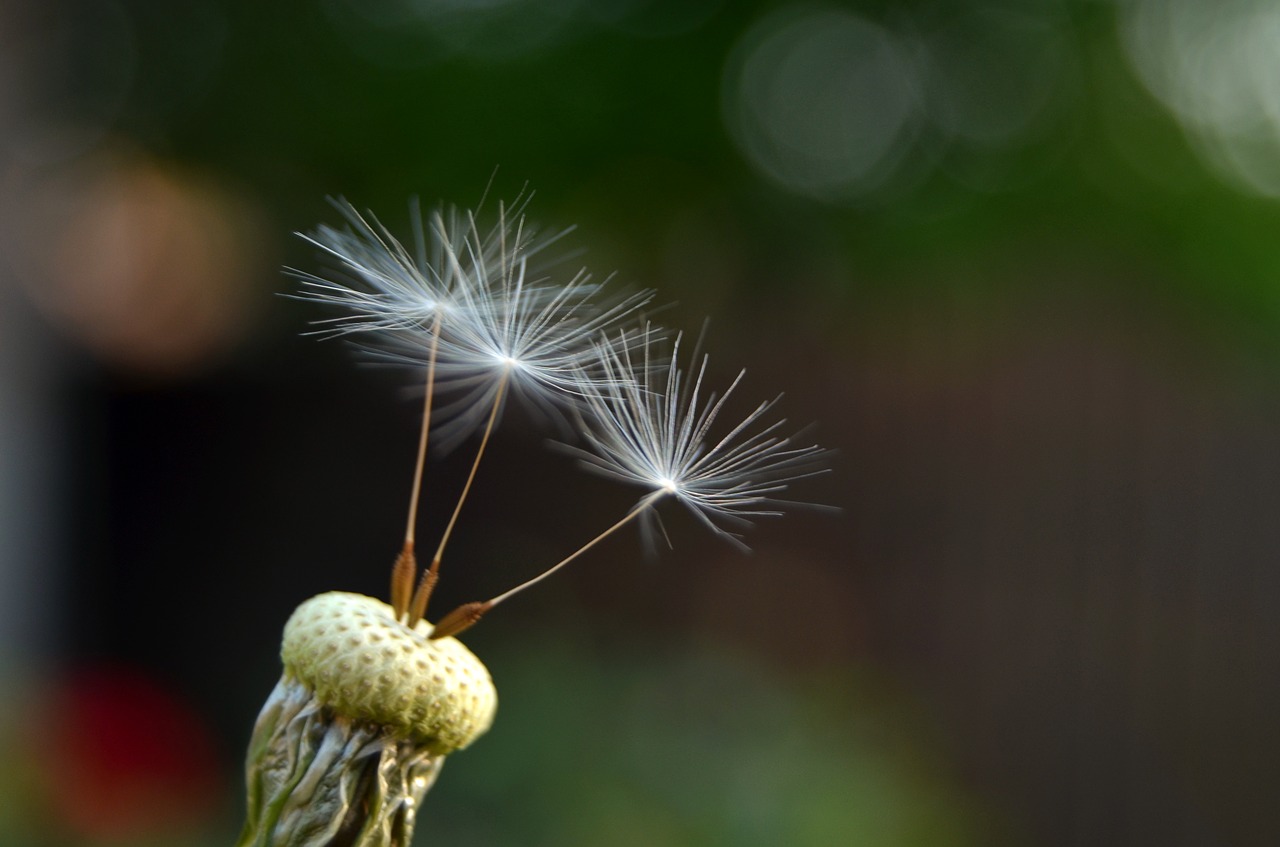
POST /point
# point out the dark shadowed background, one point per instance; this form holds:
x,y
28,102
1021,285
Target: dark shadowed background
x,y
1019,261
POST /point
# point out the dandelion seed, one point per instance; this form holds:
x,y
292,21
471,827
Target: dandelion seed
x,y
531,337
519,335
655,432
466,305
379,285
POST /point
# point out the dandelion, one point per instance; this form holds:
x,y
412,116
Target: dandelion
x,y
384,291
381,287
656,432
385,288
522,334
468,306
373,697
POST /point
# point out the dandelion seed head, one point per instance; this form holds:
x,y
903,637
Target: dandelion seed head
x,y
659,432
470,300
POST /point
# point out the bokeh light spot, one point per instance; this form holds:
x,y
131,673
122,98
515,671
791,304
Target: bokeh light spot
x,y
993,71
820,100
145,266
1216,67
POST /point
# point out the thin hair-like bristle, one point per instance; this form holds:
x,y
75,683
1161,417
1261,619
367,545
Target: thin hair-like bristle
x,y
655,430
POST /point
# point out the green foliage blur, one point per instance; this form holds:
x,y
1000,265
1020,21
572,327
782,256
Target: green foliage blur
x,y
1017,258
616,111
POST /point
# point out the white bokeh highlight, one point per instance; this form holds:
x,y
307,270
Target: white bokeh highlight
x,y
821,101
1216,68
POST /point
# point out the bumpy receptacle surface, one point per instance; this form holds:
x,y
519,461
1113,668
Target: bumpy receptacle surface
x,y
365,665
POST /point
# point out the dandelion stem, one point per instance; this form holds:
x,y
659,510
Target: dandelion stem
x,y
406,565
468,614
426,429
635,512
430,578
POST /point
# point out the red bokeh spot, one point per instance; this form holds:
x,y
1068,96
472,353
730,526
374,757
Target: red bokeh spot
x,y
126,757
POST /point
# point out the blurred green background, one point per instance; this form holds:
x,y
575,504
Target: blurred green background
x,y
1018,259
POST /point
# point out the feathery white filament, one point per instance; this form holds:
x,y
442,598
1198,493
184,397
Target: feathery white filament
x,y
652,431
381,287
467,306
468,296
535,336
